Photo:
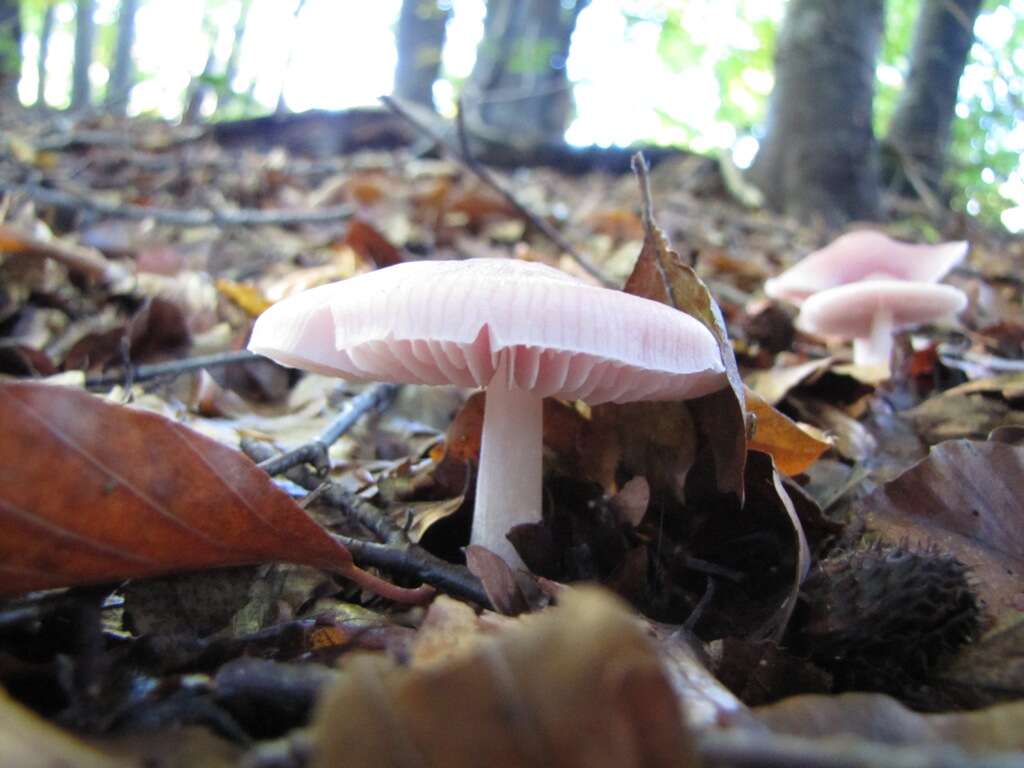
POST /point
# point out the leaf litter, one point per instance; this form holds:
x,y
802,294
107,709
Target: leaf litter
x,y
730,525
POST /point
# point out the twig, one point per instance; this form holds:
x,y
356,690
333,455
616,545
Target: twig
x,y
414,561
376,398
179,218
463,155
642,172
393,550
333,495
152,371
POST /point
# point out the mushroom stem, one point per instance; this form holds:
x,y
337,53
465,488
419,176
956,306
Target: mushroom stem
x,y
508,489
877,348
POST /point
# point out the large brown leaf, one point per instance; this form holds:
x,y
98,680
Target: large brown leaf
x,y
965,499
93,492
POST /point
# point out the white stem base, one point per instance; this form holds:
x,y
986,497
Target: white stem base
x,y
877,348
509,484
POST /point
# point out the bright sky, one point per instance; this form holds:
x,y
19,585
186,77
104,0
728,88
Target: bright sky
x,y
341,53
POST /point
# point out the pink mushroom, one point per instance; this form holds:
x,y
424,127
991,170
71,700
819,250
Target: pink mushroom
x,y
861,255
523,330
870,311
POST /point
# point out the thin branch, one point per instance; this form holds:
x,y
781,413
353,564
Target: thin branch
x,y
152,371
393,551
375,399
464,156
641,170
179,218
416,562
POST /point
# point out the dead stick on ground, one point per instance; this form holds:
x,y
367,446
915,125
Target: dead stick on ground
x,y
463,155
137,373
393,551
179,218
375,399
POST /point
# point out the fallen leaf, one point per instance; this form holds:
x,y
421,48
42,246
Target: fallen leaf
x,y
661,275
366,240
794,449
991,669
247,296
964,499
581,684
28,741
878,718
774,384
94,492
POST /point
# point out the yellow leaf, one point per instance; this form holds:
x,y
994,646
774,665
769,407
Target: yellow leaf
x,y
246,296
793,448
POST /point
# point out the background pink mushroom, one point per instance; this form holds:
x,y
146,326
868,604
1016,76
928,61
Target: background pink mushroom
x,y
523,330
871,311
862,254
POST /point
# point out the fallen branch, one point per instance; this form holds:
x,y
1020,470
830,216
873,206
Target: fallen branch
x,y
463,155
377,398
179,218
393,551
171,368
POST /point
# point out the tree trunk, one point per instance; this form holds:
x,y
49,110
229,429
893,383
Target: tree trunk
x,y
518,87
921,126
420,40
44,52
819,156
85,28
225,93
121,75
10,48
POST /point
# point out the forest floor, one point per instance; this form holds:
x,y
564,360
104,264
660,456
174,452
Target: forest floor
x,y
818,566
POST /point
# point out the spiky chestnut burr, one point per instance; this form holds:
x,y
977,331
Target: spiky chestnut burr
x,y
880,617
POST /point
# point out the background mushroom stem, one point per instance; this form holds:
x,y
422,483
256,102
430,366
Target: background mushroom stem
x,y
876,349
508,491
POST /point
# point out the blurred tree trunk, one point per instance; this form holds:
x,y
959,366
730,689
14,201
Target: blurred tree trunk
x,y
44,52
819,156
199,87
226,93
518,87
923,120
121,75
10,47
420,40
85,29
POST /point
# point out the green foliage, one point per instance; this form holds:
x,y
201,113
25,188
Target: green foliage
x,y
985,150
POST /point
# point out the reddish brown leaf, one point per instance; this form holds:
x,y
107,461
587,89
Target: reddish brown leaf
x,y
93,492
368,242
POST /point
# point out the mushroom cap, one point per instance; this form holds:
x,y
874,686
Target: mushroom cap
x,y
859,255
849,310
450,322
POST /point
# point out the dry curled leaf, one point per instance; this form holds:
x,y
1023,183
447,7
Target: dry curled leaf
x,y
577,685
93,492
661,275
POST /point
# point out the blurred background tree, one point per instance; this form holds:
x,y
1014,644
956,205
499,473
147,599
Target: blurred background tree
x,y
921,97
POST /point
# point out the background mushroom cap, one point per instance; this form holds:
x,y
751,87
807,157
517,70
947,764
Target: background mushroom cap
x,y
849,310
858,255
441,322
